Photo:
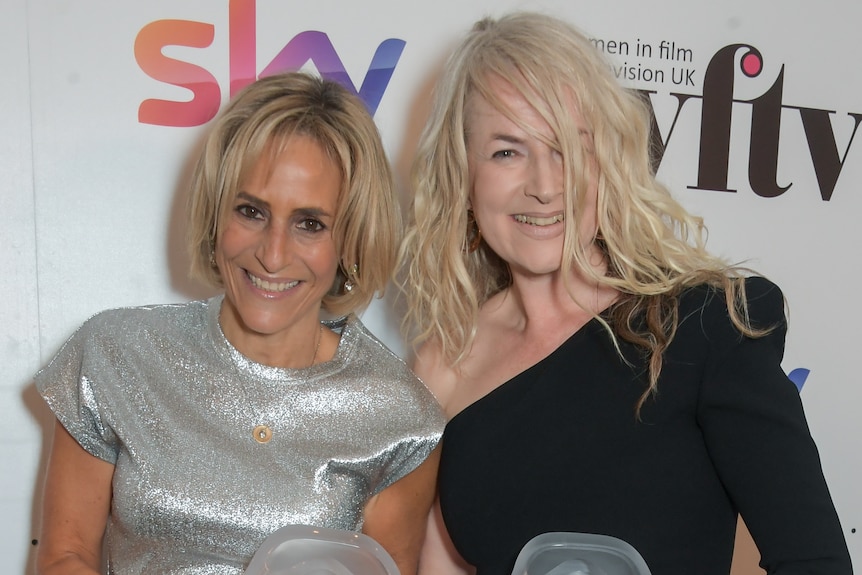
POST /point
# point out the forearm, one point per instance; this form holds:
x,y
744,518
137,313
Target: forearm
x,y
49,563
396,517
76,504
439,556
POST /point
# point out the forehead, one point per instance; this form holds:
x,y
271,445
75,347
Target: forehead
x,y
499,104
273,149
298,163
299,158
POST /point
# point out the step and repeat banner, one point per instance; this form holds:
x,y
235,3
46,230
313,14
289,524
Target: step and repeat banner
x,y
757,107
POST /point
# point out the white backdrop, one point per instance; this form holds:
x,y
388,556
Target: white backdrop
x,y
92,211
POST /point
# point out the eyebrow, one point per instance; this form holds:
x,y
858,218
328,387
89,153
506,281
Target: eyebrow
x,y
507,138
315,212
306,211
250,198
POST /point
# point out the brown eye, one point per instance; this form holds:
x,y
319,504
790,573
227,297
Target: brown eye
x,y
312,225
249,212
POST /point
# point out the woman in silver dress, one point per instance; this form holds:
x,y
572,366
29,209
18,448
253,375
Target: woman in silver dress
x,y
187,433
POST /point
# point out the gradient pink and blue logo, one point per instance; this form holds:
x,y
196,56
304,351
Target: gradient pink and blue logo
x,y
308,46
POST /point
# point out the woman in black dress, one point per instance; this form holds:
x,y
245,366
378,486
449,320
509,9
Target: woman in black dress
x,y
601,370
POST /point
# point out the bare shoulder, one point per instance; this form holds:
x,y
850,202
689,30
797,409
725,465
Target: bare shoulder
x,y
431,366
483,368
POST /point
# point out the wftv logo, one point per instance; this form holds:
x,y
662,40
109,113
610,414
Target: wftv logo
x,y
766,114
306,46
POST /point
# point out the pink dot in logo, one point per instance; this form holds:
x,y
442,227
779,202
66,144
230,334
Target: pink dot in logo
x,y
751,64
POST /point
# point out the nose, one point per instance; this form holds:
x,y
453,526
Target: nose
x,y
275,249
546,176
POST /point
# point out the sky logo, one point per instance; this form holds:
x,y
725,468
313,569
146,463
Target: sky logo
x,y
309,46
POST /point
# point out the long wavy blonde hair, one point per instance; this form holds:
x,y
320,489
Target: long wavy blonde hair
x,y
654,248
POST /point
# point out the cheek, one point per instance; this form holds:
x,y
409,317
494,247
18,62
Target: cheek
x,y
231,242
329,264
487,190
322,257
491,209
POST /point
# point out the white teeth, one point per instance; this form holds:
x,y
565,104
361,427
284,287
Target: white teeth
x,y
534,221
271,286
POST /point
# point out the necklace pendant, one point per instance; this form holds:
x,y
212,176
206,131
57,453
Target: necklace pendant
x,y
262,433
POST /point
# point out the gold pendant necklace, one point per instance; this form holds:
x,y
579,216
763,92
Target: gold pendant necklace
x,y
262,433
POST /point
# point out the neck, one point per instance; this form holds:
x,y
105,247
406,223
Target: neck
x,y
543,301
297,348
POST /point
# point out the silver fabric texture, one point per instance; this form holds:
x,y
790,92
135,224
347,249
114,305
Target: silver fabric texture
x,y
160,393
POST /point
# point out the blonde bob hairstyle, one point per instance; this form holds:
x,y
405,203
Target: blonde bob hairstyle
x,y
653,247
255,126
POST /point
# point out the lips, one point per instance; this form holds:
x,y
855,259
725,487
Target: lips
x,y
539,220
270,286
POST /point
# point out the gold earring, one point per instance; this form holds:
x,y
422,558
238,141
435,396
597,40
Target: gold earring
x,y
474,234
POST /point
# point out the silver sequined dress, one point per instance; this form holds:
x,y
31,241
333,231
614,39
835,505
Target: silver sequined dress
x,y
160,393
